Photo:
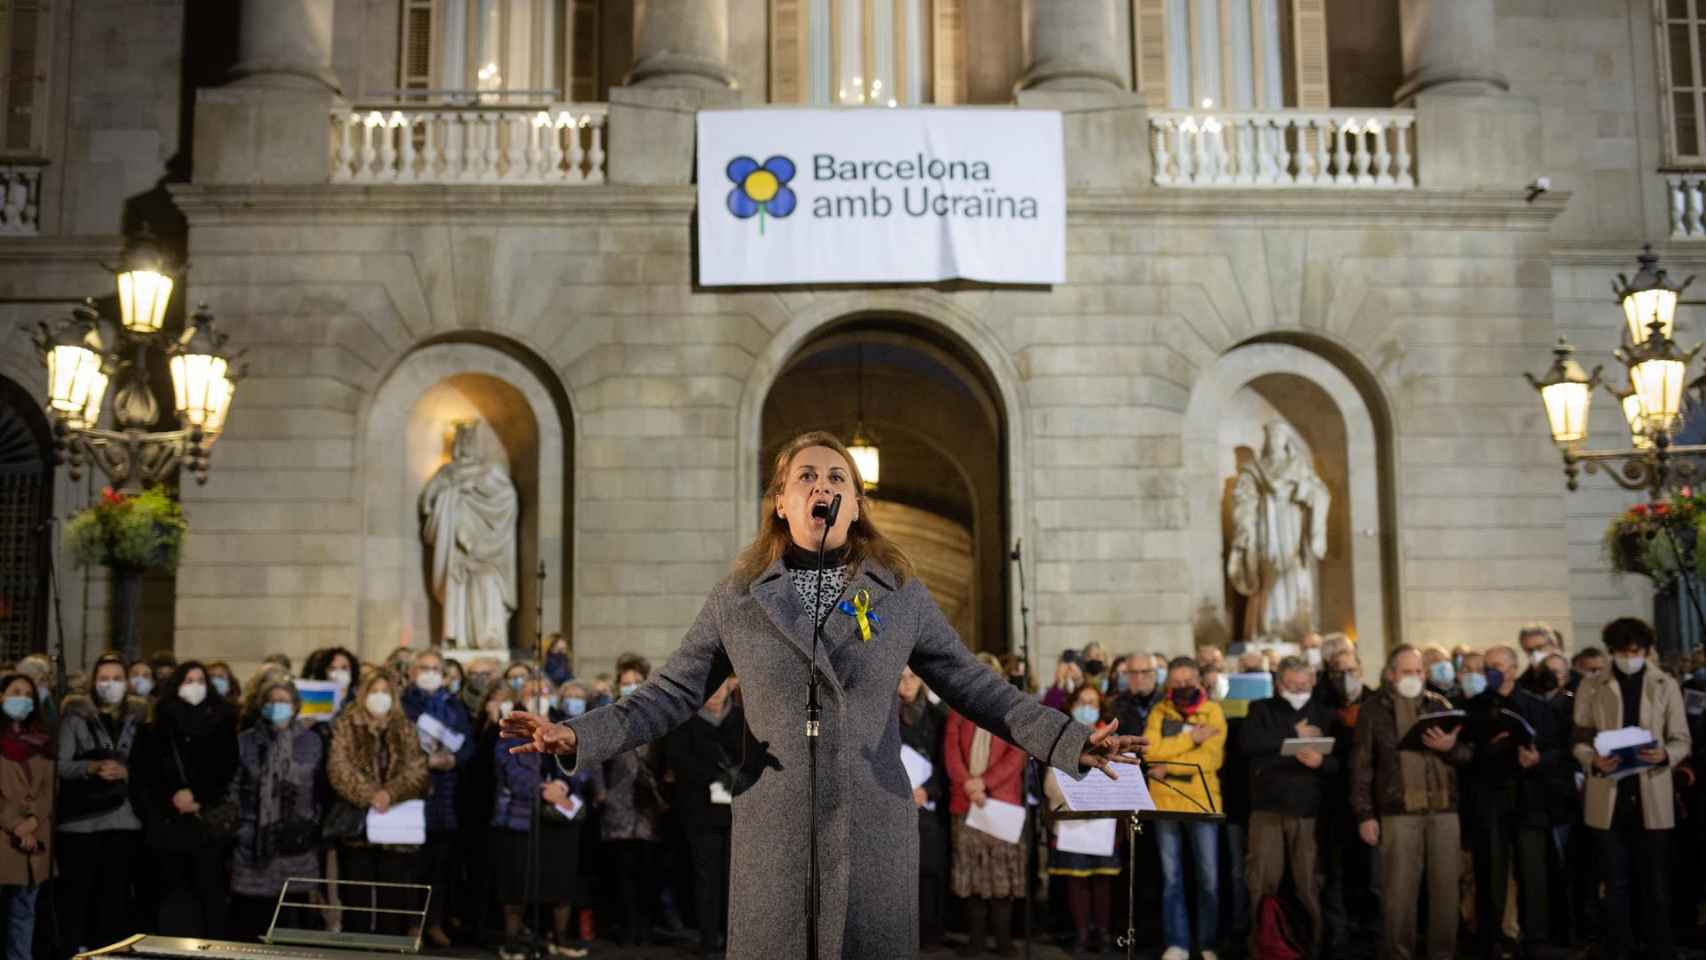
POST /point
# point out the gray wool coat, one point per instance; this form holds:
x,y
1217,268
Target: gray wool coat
x,y
867,822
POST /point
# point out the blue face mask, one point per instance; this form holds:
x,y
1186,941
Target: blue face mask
x,y
1474,684
222,685
1086,714
455,685
516,682
628,689
277,714
1442,673
18,707
1495,678
574,706
1121,683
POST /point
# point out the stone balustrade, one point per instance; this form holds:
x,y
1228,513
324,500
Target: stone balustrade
x,y
20,198
425,144
1339,149
1687,204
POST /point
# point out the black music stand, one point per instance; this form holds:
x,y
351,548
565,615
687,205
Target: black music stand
x,y
376,942
1134,821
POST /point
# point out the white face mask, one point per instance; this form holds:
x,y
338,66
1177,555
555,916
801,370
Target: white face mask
x,y
1538,657
1352,682
429,680
1222,686
193,693
110,691
339,677
1312,656
1630,664
378,703
1297,700
1410,687
142,684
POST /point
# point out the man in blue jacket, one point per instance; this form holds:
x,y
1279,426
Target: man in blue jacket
x,y
447,737
1285,792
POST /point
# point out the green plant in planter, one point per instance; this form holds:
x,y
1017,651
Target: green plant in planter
x,y
144,531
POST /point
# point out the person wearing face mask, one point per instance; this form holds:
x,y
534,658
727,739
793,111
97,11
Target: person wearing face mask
x,y
1309,648
375,763
141,679
447,736
1509,790
40,670
1286,792
1588,662
1537,641
1440,671
922,724
987,872
1405,802
1187,743
1141,695
1350,890
559,666
26,811
1068,677
705,756
100,836
1633,818
182,767
523,782
1089,878
336,664
278,829
629,827
1234,796
221,684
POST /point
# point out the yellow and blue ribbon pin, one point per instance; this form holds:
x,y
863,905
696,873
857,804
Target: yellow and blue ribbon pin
x,y
859,608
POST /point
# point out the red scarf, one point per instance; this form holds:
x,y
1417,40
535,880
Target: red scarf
x,y
19,745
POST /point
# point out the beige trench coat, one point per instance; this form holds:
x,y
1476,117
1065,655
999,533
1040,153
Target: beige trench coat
x,y
1599,706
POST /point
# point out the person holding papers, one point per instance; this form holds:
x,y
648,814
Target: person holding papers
x,y
989,871
1089,876
705,755
278,829
1518,768
376,763
1404,799
1187,741
540,868
1635,713
1288,742
447,737
921,729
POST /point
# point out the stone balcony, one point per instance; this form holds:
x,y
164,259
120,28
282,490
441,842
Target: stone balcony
x,y
1285,149
20,197
559,143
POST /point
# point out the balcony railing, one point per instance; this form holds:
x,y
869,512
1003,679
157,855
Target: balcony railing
x,y
20,197
409,143
1687,204
1337,149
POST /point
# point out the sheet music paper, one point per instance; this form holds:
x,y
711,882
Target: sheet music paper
x,y
1096,792
998,818
568,810
403,823
918,766
1094,837
1608,742
1292,746
430,726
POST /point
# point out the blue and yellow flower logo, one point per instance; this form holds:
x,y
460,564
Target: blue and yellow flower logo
x,y
761,188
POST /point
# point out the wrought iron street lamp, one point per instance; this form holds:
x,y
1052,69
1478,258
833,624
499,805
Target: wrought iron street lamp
x,y
85,353
1652,404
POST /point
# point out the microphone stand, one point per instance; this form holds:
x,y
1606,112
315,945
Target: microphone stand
x,y
1032,839
814,713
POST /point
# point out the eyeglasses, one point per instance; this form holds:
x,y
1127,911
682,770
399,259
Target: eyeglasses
x,y
1140,673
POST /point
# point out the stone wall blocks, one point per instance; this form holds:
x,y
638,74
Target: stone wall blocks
x,y
210,516
275,612
617,453
1484,542
289,548
282,580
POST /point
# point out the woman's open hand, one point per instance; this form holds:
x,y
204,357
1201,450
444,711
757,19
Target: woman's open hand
x,y
1105,748
541,734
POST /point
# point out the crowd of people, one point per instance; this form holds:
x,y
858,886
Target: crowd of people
x,y
1456,802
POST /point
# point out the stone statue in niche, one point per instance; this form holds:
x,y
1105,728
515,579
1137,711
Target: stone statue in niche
x,y
468,514
1279,534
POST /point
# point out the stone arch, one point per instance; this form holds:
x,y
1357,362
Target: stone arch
x,y
976,348
26,502
1325,374
529,423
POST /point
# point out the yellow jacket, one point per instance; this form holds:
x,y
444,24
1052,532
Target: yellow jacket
x,y
1166,719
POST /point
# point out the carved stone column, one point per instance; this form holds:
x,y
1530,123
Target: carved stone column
x,y
681,43
1450,45
1073,55
681,50
286,43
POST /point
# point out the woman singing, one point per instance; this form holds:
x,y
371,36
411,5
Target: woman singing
x,y
878,620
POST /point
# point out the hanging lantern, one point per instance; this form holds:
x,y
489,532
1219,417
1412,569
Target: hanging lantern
x,y
1658,372
1647,297
75,358
200,387
144,286
866,458
1567,392
1629,401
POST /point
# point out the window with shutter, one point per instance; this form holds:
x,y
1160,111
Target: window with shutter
x,y
1682,36
886,53
1149,46
1232,54
1309,38
415,66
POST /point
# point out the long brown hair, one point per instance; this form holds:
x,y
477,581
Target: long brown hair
x,y
864,540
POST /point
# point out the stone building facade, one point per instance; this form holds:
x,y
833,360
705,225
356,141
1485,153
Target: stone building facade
x,y
383,289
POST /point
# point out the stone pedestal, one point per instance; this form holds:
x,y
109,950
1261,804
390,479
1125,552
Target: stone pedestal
x,y
1073,52
680,68
272,123
1471,133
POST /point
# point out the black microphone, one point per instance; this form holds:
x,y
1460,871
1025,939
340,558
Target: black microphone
x,y
828,511
1015,554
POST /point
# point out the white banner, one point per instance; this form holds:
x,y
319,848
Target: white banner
x,y
881,196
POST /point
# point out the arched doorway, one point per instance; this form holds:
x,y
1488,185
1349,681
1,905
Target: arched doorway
x,y
26,502
941,430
